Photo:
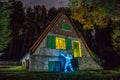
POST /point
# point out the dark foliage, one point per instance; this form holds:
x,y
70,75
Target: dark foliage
x,y
4,23
26,25
101,44
16,25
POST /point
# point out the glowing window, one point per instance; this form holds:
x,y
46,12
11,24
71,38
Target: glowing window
x,y
60,43
77,49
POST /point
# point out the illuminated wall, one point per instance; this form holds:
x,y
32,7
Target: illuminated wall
x,y
65,44
60,43
61,37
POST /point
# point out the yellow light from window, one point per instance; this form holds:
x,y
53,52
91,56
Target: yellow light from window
x,y
77,49
60,43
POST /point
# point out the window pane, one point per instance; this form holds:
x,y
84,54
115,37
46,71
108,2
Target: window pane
x,y
60,43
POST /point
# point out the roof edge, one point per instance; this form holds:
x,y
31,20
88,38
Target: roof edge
x,y
50,26
84,42
42,36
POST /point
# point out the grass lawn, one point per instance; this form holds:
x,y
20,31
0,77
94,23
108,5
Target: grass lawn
x,y
19,73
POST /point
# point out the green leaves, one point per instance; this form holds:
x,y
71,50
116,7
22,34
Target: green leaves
x,y
116,38
4,23
92,13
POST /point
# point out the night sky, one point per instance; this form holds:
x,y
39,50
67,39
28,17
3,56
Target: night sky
x,y
48,3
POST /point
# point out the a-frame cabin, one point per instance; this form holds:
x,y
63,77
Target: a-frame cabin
x,y
60,37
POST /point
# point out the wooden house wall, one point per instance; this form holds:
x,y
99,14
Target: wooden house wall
x,y
40,58
39,61
58,30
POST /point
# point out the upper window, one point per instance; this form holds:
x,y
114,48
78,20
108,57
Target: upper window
x,y
60,43
65,26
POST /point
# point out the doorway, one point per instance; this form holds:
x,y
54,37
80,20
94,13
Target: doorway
x,y
77,49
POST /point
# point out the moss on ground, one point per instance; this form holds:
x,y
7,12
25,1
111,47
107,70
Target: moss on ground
x,y
13,68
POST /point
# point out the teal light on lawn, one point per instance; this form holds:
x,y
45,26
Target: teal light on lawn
x,y
68,63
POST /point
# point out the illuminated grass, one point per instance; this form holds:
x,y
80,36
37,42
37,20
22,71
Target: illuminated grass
x,y
12,68
19,73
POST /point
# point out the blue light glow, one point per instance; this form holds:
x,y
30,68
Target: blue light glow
x,y
68,58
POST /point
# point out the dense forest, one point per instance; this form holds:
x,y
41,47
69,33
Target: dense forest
x,y
4,22
100,29
99,22
26,25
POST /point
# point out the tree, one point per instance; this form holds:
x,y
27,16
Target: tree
x,y
31,27
92,13
4,23
52,12
17,19
96,18
26,26
116,37
38,20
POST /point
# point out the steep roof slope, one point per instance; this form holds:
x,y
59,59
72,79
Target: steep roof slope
x,y
51,25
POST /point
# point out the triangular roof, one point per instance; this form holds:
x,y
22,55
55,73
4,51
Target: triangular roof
x,y
50,26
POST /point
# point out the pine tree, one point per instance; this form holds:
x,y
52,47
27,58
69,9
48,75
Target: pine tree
x,y
39,28
17,19
52,13
40,18
4,23
31,27
36,19
44,17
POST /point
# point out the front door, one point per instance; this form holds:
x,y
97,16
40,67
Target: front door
x,y
54,66
77,49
